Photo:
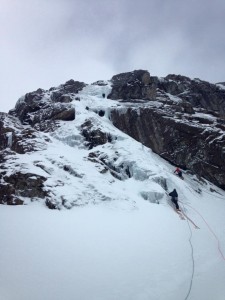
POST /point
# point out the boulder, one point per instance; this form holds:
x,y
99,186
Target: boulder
x,y
94,136
17,185
132,86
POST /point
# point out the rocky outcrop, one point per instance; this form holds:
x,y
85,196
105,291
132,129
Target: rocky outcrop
x,y
26,184
15,186
184,142
183,120
71,87
38,113
210,98
105,164
17,139
40,110
8,197
43,108
132,86
94,136
65,91
207,97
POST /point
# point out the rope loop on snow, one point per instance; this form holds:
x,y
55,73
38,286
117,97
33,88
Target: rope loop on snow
x,y
210,229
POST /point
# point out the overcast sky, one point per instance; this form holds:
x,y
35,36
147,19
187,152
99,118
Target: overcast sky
x,y
44,43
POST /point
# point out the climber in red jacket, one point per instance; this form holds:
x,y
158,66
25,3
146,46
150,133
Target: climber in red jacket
x,y
179,172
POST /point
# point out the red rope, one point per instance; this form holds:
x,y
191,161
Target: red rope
x,y
210,229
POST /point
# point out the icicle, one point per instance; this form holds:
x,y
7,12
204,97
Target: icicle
x,y
9,136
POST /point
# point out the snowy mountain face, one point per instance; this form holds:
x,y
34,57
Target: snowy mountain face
x,y
180,119
103,155
63,144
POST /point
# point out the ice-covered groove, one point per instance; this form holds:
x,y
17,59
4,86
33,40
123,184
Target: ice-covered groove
x,y
96,90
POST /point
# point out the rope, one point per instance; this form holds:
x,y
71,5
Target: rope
x,y
189,219
210,229
192,258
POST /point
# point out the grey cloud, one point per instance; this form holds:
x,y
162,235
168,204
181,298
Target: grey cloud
x,y
45,43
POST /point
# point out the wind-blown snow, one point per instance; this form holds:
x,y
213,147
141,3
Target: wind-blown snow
x,y
121,240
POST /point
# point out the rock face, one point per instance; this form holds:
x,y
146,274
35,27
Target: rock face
x,y
180,119
41,109
25,185
185,144
17,139
201,94
94,136
184,123
133,85
20,134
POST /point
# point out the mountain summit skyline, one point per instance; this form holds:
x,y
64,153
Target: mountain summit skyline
x,y
181,120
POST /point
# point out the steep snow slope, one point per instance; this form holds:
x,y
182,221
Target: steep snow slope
x,y
121,240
